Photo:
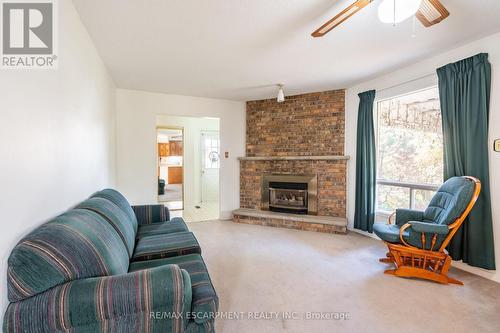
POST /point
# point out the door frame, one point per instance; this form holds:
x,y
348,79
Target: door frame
x,y
158,128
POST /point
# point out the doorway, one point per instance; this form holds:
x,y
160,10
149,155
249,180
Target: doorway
x,y
200,163
170,155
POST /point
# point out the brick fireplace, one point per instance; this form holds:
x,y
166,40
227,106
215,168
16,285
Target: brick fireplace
x,y
297,147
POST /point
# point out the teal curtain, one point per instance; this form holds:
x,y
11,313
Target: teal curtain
x,y
365,164
464,91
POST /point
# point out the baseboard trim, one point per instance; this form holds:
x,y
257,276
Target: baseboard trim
x,y
226,215
364,233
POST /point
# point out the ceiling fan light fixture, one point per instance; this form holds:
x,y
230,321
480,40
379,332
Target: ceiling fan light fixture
x,y
281,94
396,11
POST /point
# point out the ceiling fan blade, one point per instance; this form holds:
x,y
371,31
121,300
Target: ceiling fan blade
x,y
431,12
341,17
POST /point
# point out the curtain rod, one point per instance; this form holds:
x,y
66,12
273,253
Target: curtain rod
x,y
410,81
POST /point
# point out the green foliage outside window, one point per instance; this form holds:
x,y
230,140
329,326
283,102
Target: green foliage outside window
x,y
410,148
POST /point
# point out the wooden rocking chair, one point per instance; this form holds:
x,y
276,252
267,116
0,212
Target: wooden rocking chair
x,y
417,241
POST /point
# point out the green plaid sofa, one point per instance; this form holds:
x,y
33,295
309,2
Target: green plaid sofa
x,y
107,266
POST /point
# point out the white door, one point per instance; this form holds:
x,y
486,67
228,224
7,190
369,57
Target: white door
x,y
210,164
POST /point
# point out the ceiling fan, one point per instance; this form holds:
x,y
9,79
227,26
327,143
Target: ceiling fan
x,y
428,12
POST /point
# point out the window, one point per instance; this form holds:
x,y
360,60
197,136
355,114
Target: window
x,y
211,152
409,150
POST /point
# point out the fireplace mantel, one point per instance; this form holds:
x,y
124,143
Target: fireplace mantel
x,y
295,158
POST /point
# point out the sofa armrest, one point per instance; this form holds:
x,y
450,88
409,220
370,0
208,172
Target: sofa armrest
x,y
149,214
431,228
159,298
404,216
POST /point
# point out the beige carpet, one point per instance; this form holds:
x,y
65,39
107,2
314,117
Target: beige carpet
x,y
256,268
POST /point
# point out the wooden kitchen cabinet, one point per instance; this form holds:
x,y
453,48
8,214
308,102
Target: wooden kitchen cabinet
x,y
176,148
173,148
175,175
163,149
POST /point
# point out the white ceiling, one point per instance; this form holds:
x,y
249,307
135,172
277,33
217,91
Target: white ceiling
x,y
237,49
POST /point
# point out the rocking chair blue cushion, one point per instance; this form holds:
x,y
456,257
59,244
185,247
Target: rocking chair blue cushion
x,y
389,232
447,205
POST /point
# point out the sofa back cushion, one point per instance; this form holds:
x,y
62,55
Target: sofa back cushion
x,y
118,199
450,201
115,216
75,245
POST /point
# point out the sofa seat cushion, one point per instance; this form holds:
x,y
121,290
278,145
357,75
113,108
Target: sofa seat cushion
x,y
388,232
165,246
118,199
115,216
205,301
75,245
174,225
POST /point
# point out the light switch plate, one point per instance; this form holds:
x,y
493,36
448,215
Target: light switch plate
x,y
497,145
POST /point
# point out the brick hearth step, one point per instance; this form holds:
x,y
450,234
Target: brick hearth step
x,y
327,224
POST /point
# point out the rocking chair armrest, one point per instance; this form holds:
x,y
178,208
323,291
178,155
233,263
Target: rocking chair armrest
x,y
401,234
432,228
404,216
390,219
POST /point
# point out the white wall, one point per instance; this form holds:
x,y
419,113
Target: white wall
x,y
489,45
137,114
192,151
56,136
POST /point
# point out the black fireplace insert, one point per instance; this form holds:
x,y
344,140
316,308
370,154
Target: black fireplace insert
x,y
288,197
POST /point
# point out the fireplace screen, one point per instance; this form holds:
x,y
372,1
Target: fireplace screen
x,y
295,194
286,197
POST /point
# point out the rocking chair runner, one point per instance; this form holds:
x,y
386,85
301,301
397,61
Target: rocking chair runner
x,y
417,240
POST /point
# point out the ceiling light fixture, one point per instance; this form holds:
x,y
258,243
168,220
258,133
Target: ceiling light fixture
x,y
281,94
396,11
